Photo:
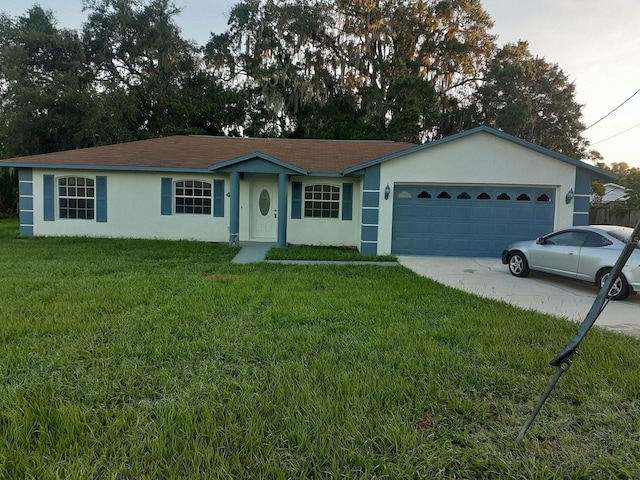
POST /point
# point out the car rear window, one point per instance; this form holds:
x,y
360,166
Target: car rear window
x,y
623,234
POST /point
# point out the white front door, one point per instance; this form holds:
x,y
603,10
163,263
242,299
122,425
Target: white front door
x,y
264,210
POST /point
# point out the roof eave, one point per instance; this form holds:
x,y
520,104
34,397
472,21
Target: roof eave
x,y
122,168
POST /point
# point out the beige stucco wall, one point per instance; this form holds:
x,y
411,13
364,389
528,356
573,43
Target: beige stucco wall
x,y
326,231
133,209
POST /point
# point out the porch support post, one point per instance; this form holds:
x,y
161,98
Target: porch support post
x,y
234,206
283,186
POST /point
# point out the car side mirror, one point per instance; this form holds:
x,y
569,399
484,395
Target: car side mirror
x,y
540,241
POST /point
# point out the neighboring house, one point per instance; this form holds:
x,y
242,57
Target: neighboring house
x,y
612,193
469,194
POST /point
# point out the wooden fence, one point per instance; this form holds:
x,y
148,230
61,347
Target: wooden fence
x,y
605,215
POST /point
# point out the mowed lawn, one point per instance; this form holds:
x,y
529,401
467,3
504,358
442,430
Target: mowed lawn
x,y
131,359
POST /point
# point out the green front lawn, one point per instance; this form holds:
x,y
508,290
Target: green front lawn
x,y
154,359
342,254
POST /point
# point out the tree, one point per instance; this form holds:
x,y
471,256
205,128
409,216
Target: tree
x,y
46,91
533,99
390,62
8,191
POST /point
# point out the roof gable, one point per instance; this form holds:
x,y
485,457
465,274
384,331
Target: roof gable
x,y
594,171
257,163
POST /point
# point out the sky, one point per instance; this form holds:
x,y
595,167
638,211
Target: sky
x,y
595,42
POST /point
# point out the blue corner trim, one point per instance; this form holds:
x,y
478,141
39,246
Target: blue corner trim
x,y
369,233
370,216
372,178
26,202
369,248
26,230
26,218
25,175
370,200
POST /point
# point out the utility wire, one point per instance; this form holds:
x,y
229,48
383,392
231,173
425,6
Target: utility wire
x,y
598,121
617,134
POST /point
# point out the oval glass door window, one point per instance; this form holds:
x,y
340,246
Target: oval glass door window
x,y
264,203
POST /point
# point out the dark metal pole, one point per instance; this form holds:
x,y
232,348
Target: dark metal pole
x,y
563,359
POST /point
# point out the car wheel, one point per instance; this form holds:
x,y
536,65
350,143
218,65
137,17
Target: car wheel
x,y
620,288
518,265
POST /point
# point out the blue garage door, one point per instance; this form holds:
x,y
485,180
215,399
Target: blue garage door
x,y
467,221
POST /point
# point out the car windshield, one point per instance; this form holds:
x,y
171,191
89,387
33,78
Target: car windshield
x,y
623,234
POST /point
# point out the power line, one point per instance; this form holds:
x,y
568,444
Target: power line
x,y
595,123
617,134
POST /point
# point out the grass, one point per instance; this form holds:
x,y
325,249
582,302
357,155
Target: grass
x,y
326,253
135,359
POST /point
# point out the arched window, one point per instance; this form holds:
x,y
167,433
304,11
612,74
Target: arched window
x,y
464,196
523,197
444,195
193,197
503,196
321,201
76,197
424,194
484,196
543,198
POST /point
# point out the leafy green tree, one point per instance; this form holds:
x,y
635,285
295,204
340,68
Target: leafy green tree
x,y
46,90
533,99
8,191
630,179
390,62
141,63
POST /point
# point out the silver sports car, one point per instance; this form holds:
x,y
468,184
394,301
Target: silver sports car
x,y
583,253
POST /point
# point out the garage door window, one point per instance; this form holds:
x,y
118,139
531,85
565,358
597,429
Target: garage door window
x,y
484,196
504,196
464,196
424,194
443,195
523,198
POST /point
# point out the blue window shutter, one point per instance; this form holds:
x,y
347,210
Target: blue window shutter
x,y
166,196
49,198
296,199
218,198
347,201
101,199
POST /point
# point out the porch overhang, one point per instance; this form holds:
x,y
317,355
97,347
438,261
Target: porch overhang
x,y
258,162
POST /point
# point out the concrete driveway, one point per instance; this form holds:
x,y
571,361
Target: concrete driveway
x,y
488,277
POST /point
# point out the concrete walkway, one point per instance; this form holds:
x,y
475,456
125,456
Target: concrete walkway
x,y
253,252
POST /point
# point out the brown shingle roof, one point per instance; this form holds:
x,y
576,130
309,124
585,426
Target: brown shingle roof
x,y
200,152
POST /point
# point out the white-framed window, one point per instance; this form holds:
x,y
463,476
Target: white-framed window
x,y
76,197
193,197
321,201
